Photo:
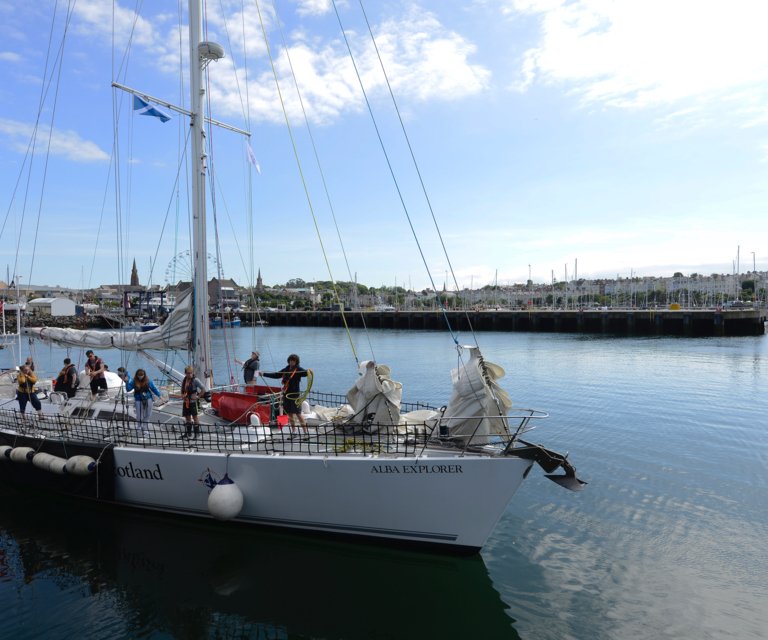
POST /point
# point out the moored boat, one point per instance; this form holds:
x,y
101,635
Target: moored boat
x,y
368,465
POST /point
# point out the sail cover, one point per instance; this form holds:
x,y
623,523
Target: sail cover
x,y
174,333
478,405
375,398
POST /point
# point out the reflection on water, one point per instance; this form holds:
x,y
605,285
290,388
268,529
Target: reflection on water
x,y
668,540
74,570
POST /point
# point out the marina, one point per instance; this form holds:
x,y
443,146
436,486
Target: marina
x,y
665,542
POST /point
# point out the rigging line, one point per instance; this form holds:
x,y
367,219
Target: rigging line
x,y
298,160
415,163
122,228
225,23
174,191
32,144
214,211
30,152
454,335
70,11
245,108
327,193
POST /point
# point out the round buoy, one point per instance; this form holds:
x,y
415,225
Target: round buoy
x,y
81,465
22,454
5,452
225,500
50,462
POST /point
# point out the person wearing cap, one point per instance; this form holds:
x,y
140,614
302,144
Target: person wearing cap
x,y
250,367
95,368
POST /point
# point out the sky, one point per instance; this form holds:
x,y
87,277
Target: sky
x,y
466,143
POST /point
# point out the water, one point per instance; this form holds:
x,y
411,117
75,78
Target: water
x,y
667,541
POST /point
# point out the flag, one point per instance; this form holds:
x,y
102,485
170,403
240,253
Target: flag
x,y
146,109
252,157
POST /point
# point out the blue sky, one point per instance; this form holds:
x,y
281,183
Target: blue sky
x,y
613,138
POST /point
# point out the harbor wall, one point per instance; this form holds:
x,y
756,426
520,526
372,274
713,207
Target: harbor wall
x,y
683,322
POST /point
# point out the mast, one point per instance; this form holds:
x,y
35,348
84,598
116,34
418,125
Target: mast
x,y
200,53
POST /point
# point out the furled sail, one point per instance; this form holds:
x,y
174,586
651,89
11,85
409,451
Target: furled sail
x,y
478,405
375,398
174,333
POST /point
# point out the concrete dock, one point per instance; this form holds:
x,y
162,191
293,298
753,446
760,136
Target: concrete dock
x,y
632,322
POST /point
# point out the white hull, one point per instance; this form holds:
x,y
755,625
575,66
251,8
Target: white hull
x,y
434,499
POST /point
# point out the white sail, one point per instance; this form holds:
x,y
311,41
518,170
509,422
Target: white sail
x,y
375,398
174,333
478,405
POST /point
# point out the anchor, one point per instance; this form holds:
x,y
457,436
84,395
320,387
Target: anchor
x,y
549,461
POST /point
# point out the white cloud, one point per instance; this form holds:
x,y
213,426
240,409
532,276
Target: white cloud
x,y
62,143
423,59
9,56
313,7
650,53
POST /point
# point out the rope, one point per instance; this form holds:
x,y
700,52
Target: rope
x,y
394,178
301,174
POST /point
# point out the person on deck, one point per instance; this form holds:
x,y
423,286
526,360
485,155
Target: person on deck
x,y
191,389
291,379
95,368
250,367
26,392
67,380
143,389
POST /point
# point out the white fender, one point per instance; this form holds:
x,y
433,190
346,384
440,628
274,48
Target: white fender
x,y
305,408
225,500
22,454
81,465
50,462
254,420
5,452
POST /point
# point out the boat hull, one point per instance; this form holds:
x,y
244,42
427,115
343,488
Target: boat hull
x,y
451,501
442,500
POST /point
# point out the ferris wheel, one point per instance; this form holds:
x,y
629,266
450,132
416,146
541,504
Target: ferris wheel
x,y
180,268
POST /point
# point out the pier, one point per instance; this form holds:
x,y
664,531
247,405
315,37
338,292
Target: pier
x,y
621,322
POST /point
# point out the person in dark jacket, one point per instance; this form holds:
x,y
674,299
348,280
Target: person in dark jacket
x,y
291,387
250,367
67,380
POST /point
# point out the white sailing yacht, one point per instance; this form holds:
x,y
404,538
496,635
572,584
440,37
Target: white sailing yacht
x,y
371,465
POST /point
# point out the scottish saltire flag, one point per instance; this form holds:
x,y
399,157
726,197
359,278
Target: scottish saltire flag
x,y
252,157
146,109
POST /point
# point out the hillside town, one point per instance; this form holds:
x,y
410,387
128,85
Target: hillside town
x,y
135,301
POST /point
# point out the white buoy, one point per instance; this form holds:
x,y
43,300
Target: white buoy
x,y
305,408
225,500
254,420
5,452
50,462
81,465
22,454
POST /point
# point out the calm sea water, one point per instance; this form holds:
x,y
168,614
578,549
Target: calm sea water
x,y
669,540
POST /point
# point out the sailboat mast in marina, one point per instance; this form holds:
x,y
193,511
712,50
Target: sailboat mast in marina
x,y
369,464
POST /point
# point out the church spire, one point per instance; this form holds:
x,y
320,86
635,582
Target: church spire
x,y
134,275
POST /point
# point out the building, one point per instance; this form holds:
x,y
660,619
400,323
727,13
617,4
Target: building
x,y
51,307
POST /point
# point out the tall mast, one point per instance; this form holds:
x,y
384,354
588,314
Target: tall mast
x,y
200,53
